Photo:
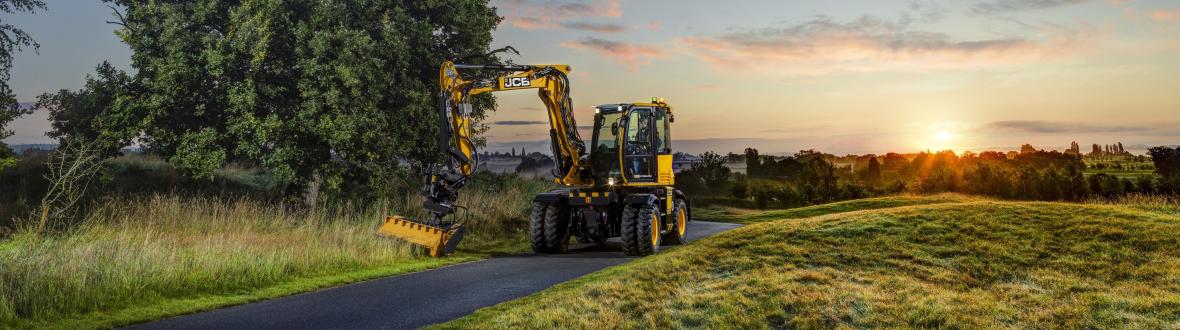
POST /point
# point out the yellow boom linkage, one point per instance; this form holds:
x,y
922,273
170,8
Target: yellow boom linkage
x,y
442,233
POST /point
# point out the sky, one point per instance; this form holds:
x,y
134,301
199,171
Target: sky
x,y
837,76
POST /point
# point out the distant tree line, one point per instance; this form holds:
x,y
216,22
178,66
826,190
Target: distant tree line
x,y
534,161
810,177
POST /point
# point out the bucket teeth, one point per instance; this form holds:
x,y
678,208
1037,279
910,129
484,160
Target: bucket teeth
x,y
440,241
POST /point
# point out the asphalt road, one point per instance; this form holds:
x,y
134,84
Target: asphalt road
x,y
418,299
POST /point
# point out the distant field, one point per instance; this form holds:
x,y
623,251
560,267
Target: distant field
x,y
899,262
1130,169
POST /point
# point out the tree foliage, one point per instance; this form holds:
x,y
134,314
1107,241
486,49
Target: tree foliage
x,y
91,113
307,89
1167,161
1167,165
12,40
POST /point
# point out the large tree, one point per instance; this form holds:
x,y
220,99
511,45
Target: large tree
x,y
12,40
304,88
92,113
1167,161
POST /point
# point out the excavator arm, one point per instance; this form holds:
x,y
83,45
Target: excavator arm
x,y
441,233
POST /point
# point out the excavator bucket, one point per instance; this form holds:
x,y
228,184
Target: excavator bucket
x,y
439,241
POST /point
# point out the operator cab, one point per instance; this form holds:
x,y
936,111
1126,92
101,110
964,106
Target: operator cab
x,y
628,142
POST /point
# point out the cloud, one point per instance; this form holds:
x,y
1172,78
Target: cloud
x,y
655,25
1036,126
823,45
519,122
547,14
1163,15
705,87
630,55
529,108
595,27
1002,6
925,11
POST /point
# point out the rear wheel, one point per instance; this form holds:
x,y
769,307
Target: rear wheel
x,y
679,219
629,227
557,237
537,227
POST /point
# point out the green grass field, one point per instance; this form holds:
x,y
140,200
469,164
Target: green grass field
x,y
745,216
1130,169
136,260
900,262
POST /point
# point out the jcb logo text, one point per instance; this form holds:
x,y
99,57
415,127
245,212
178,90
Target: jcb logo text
x,y
516,82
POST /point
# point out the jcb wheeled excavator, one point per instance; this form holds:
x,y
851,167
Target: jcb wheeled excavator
x,y
621,186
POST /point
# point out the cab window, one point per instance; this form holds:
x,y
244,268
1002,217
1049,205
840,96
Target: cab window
x,y
663,141
639,145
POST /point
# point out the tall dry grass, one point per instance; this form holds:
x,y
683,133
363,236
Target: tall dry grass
x,y
1150,202
145,251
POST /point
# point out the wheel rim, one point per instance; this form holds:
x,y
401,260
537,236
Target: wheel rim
x,y
655,230
681,222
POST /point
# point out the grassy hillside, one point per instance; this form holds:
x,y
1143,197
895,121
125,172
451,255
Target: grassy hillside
x,y
969,264
746,216
146,258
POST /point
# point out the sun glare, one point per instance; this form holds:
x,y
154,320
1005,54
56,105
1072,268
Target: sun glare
x,y
943,136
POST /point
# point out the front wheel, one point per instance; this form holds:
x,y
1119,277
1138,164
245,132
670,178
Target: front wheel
x,y
641,230
679,218
557,234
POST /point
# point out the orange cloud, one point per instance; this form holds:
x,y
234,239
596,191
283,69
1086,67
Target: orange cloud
x,y
1163,15
532,15
630,55
868,44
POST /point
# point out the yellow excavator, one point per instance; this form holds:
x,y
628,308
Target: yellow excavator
x,y
621,185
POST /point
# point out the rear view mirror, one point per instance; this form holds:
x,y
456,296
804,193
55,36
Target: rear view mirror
x,y
614,128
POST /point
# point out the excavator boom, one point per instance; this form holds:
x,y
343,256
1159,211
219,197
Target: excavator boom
x,y
442,232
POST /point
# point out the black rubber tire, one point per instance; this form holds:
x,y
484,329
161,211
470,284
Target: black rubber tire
x,y
537,228
674,236
647,221
557,236
628,230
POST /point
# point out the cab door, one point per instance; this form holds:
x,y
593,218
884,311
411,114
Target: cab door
x,y
647,149
663,141
638,158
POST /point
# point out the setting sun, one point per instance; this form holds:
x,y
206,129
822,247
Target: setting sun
x,y
943,136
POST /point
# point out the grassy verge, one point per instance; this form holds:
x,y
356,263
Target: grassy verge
x,y
135,260
747,216
973,264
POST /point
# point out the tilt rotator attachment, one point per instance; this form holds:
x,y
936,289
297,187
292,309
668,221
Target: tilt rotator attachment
x,y
441,235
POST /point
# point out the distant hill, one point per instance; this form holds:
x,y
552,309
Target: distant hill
x,y
20,148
